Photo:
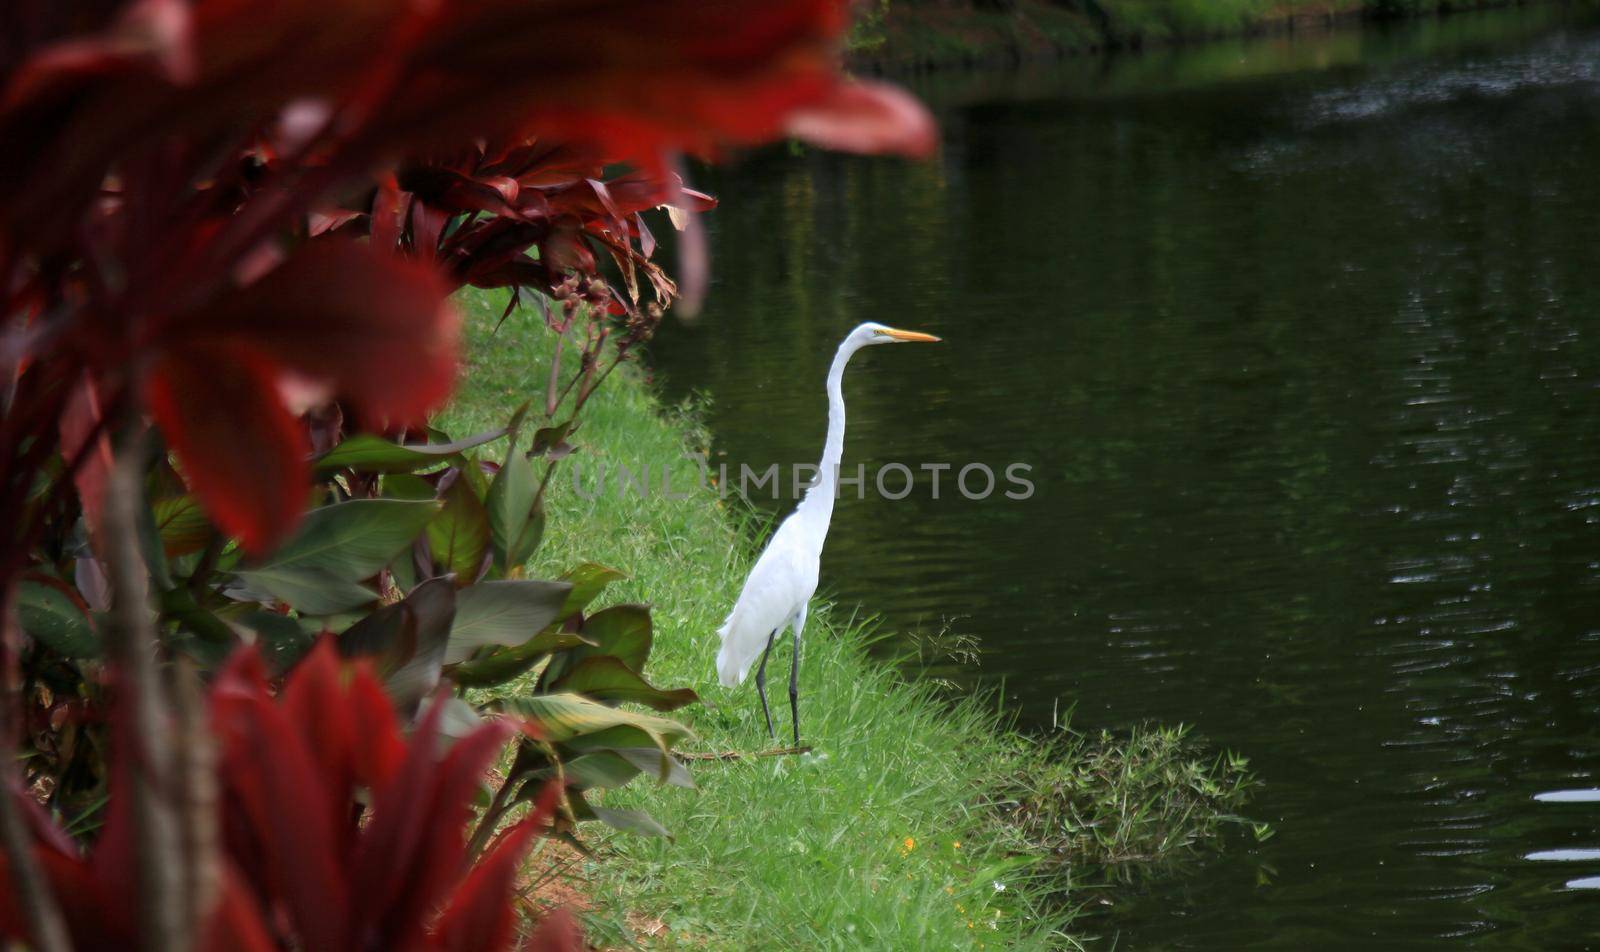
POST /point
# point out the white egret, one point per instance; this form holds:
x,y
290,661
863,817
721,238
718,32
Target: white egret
x,y
785,576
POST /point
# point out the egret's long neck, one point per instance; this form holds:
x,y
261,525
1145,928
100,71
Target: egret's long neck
x,y
833,446
817,506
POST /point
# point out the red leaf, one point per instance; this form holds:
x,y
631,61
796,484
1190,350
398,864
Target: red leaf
x,y
376,327
315,704
236,923
389,206
80,423
380,748
867,117
481,917
411,850
242,453
388,855
271,776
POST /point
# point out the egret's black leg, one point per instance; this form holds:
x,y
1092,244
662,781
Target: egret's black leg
x,y
794,687
761,683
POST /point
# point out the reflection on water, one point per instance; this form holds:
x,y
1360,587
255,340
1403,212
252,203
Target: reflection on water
x,y
1302,346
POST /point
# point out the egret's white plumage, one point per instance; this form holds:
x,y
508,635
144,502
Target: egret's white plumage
x,y
785,576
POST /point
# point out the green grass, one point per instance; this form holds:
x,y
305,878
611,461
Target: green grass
x,y
890,835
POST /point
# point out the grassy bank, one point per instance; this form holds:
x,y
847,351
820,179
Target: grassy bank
x,y
892,834
902,35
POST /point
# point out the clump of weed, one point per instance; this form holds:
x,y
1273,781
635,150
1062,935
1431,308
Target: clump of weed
x,y
1122,802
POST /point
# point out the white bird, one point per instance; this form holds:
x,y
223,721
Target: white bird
x,y
785,576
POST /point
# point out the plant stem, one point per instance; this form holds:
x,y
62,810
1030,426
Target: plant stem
x,y
168,917
491,819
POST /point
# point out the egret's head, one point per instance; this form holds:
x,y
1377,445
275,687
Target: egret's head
x,y
870,333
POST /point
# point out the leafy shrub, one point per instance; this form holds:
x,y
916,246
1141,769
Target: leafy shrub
x,y
420,575
304,861
228,236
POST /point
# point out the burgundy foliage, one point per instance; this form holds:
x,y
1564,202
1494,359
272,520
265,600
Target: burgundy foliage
x,y
304,865
236,225
181,182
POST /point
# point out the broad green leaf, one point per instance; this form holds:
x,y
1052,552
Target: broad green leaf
x,y
510,503
459,719
312,591
182,525
352,540
472,471
178,604
53,618
630,821
608,679
664,767
458,535
503,664
532,534
406,640
548,438
622,631
152,548
374,454
507,612
602,768
588,581
574,720
403,572
281,639
407,486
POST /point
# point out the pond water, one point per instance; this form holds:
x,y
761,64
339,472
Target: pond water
x,y
1301,340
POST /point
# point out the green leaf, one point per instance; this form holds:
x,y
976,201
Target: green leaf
x,y
507,612
548,438
406,640
532,534
501,665
588,581
282,640
53,618
151,547
459,719
575,720
603,768
374,454
407,486
181,524
630,821
622,631
664,767
472,471
312,591
510,504
352,540
458,535
178,604
608,679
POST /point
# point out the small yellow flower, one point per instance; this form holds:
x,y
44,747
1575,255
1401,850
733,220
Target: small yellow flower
x,y
911,844
956,844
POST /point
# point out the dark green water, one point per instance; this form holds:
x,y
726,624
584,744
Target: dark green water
x,y
1302,341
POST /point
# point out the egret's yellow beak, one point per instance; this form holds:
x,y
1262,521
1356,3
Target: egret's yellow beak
x,y
909,336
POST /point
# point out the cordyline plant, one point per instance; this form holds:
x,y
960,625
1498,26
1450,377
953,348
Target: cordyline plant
x,y
228,234
330,829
